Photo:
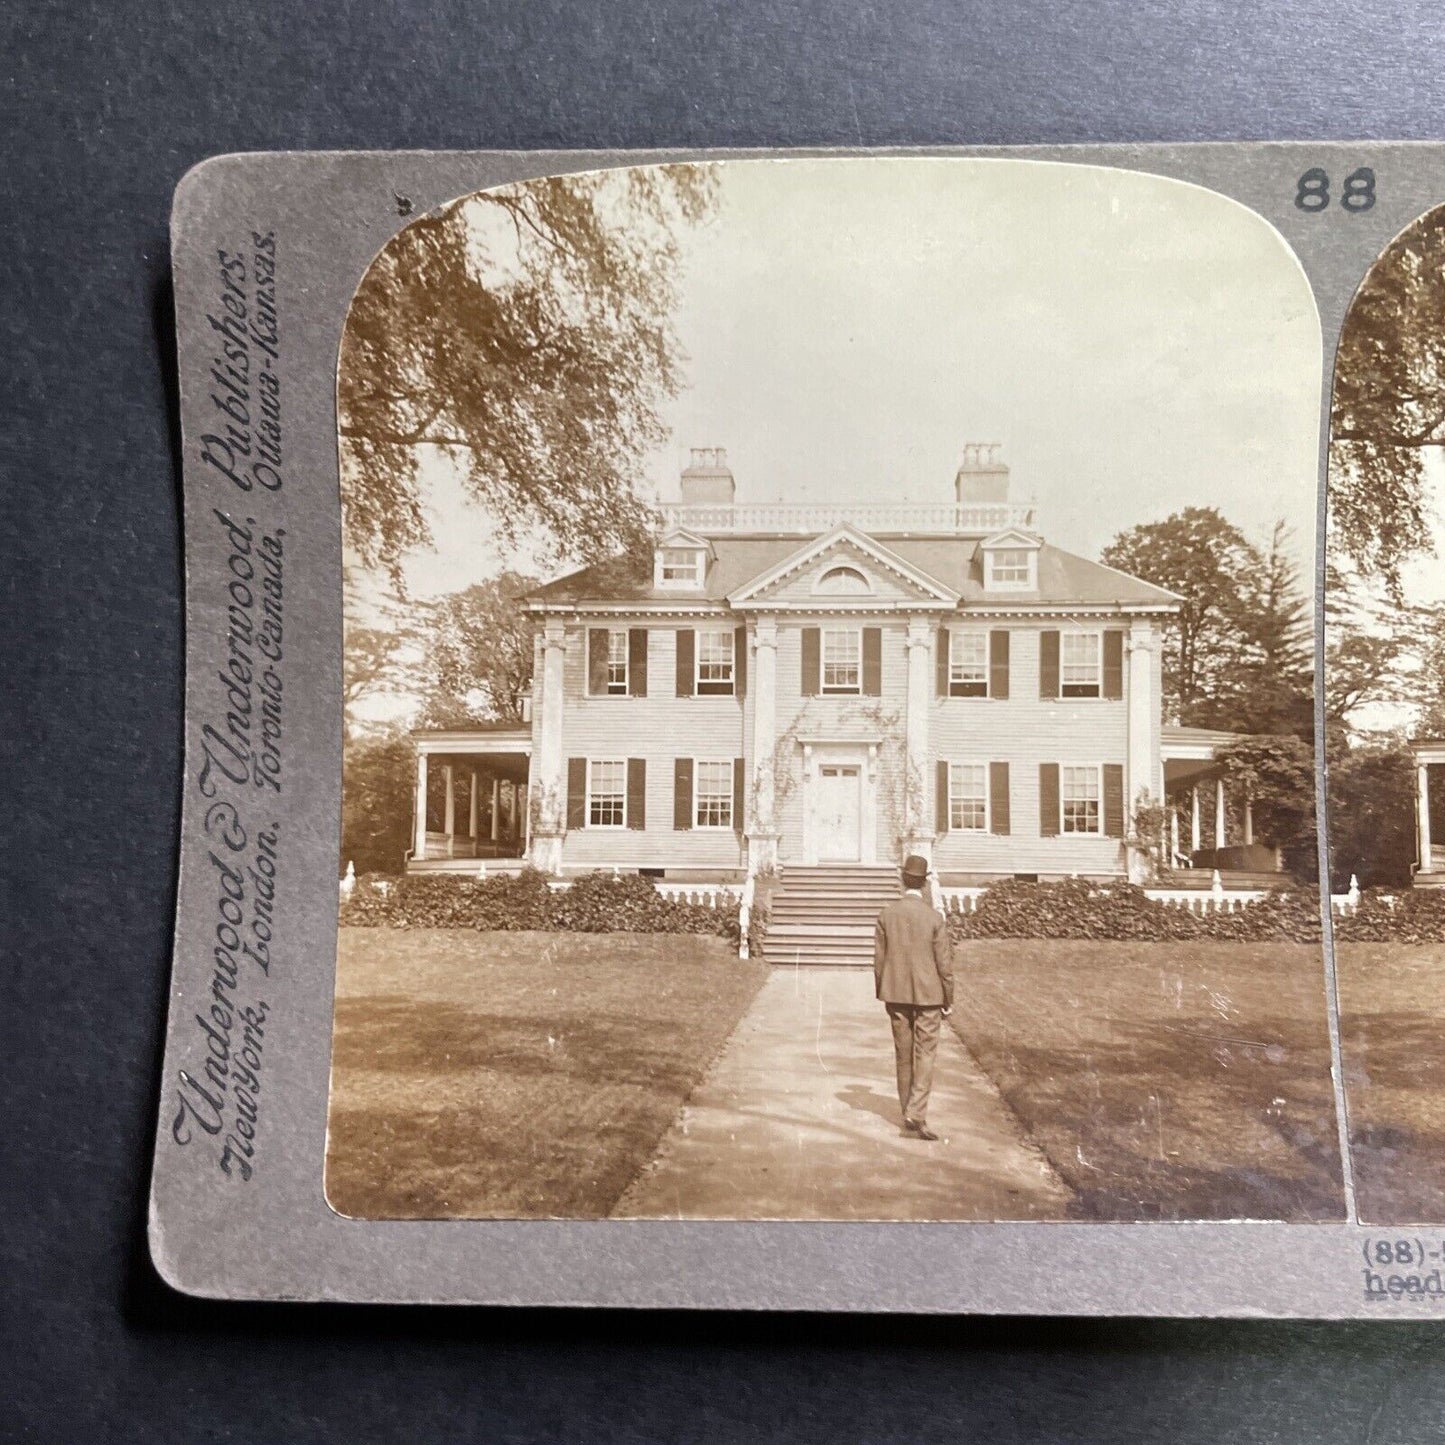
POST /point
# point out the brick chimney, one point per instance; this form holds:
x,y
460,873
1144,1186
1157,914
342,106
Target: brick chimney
x,y
707,480
982,477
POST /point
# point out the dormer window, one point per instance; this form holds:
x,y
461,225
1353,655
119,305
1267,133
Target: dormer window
x,y
680,563
681,567
1009,567
1011,563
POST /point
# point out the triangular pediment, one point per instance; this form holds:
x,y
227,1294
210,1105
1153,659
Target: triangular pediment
x,y
1010,537
843,568
678,537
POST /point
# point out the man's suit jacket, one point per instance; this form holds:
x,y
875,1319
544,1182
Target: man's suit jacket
x,y
912,957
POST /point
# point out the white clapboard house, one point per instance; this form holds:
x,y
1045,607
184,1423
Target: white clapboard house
x,y
818,691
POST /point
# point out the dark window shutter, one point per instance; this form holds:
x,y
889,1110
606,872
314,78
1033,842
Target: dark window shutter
x,y
686,645
998,821
944,648
740,779
1049,663
872,662
998,667
1049,797
597,661
1113,664
812,644
576,793
941,797
1114,800
682,793
740,661
637,661
637,792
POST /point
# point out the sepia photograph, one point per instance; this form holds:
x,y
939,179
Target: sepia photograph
x,y
1385,700
830,703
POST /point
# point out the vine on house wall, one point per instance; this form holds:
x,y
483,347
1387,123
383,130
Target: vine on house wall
x,y
901,792
1150,830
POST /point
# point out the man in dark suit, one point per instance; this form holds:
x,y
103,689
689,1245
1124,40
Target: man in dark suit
x,y
913,968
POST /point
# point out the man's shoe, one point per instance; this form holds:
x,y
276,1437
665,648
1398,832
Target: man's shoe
x,y
922,1131
910,1128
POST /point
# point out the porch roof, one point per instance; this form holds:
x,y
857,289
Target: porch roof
x,y
1428,750
482,742
1188,754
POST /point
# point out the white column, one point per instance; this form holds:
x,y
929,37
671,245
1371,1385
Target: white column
x,y
549,775
496,800
1249,820
1422,812
450,826
472,807
762,835
418,845
1142,721
1219,829
1173,834
920,704
1196,841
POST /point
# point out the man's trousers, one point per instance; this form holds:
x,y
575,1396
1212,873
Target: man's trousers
x,y
915,1044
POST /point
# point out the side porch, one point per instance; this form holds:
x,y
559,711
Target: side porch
x,y
1209,819
1429,755
470,802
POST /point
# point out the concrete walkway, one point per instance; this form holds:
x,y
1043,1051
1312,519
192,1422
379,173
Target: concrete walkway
x,y
798,1119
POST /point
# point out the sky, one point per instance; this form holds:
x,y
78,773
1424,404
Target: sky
x,y
1136,344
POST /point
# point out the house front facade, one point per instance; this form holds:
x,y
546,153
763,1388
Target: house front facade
x,y
842,686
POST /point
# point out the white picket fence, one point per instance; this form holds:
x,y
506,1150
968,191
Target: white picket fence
x,y
704,895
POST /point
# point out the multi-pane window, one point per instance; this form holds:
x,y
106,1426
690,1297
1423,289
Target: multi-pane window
x,y
617,660
682,567
607,793
713,794
715,661
968,797
968,664
842,660
1011,567
1081,668
1079,795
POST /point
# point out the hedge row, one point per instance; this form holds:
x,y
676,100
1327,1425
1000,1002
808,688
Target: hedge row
x,y
594,903
602,903
1413,915
1079,909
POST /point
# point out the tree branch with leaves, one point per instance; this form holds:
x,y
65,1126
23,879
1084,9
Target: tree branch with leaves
x,y
526,336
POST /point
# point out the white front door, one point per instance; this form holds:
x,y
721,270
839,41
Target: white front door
x,y
838,814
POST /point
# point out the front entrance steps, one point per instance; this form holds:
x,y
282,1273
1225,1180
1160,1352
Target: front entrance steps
x,y
825,914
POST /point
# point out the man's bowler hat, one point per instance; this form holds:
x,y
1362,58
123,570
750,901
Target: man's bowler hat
x,y
915,871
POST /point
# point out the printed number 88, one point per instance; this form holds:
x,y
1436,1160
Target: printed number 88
x,y
1313,192
1399,1252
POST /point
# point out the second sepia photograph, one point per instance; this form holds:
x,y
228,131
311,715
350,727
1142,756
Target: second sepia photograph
x,y
830,706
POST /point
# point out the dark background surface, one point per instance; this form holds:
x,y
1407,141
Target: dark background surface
x,y
102,107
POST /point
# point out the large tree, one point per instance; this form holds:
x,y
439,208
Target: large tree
x,y
1219,575
378,776
1273,689
525,334
1389,407
1277,774
478,654
1372,814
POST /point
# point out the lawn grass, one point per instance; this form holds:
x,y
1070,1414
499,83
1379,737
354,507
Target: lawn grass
x,y
516,1075
1392,1024
1164,1081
